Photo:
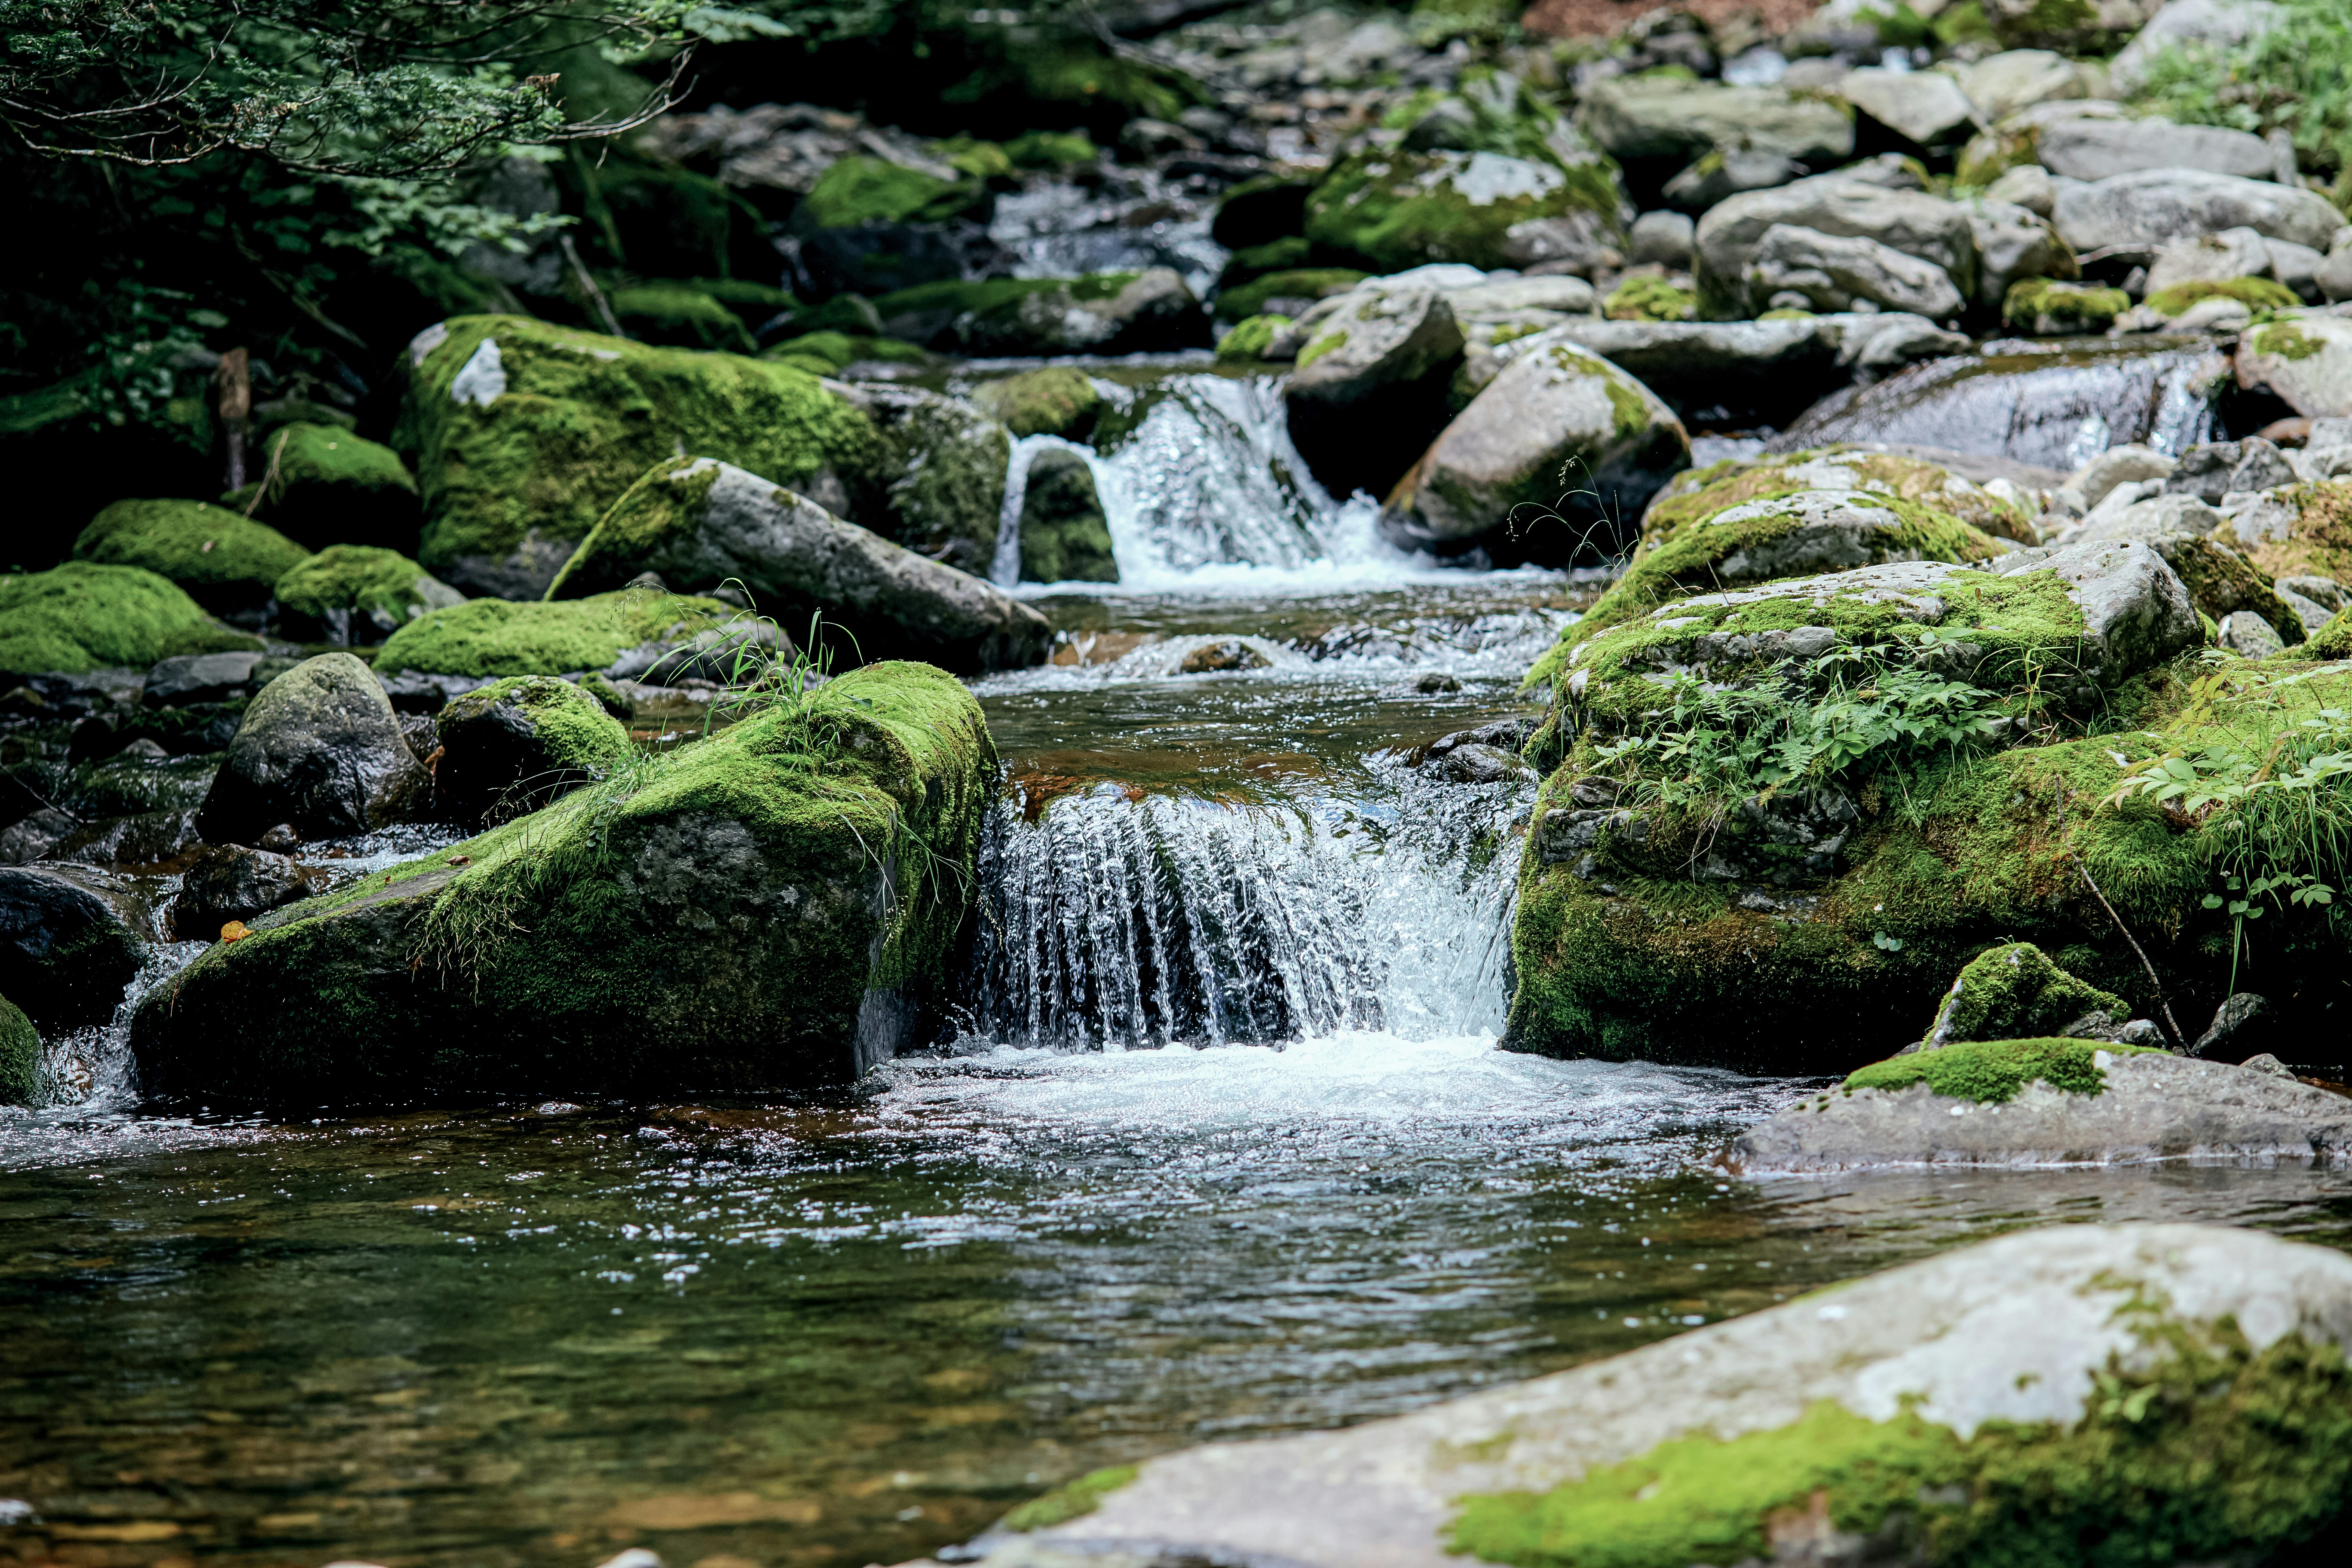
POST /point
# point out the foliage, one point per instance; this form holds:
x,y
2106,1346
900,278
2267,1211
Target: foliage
x,y
2296,76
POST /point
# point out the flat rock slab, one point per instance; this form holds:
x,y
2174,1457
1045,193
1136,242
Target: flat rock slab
x,y
2153,1107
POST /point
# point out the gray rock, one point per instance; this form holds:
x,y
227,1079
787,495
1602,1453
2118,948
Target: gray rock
x,y
1155,310
26,841
2261,465
1481,764
2204,470
1833,272
2248,636
2029,185
698,531
71,938
413,691
2304,359
2326,591
515,745
2234,1020
1766,370
2089,149
1908,221
2000,85
1657,119
2118,465
1717,175
198,678
2152,208
1371,379
2297,267
1662,237
1926,108
141,838
2333,276
2019,1332
230,882
2136,610
2210,259
2215,25
2267,1063
2160,517
2014,242
322,749
2308,614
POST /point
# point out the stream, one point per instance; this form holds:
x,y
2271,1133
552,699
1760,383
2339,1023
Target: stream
x,y
1222,1146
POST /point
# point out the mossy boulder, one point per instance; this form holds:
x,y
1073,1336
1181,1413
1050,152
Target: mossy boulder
x,y
1064,538
1650,300
226,563
2255,293
2006,1402
2050,309
1251,338
1102,312
681,316
357,594
1252,298
1274,256
321,485
772,907
2302,358
71,938
857,191
1388,209
20,1055
83,615
2013,992
1060,400
526,434
2221,582
320,750
629,634
516,744
941,469
2301,530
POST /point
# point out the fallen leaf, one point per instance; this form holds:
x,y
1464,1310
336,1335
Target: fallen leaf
x,y
234,931
207,548
460,859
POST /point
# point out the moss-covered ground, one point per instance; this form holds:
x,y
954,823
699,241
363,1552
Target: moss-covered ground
x,y
501,637
83,615
222,561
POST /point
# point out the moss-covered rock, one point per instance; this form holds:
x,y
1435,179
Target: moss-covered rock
x,y
1051,149
2258,293
225,562
20,1055
1262,210
321,485
2013,993
2050,309
1284,255
1390,209
1251,338
2221,582
526,434
942,470
1064,538
357,594
627,633
682,316
2301,531
516,744
862,190
1645,299
768,907
1060,400
83,615
1297,283
1103,313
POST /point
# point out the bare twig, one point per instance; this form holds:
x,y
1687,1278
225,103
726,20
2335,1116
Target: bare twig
x,y
588,286
2163,1003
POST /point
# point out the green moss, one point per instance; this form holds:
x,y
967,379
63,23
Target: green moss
x,y
1252,338
2050,308
384,586
20,1056
858,190
1289,254
1060,400
321,485
1323,344
1391,209
2220,580
681,315
669,497
1786,314
2260,293
1629,415
974,158
2284,339
499,637
2013,992
748,297
2317,544
584,417
222,560
83,615
1073,1501
1064,536
1992,1073
1303,283
1646,299
945,463
1050,149
493,766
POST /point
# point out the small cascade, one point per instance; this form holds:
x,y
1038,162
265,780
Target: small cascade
x,y
1116,921
1004,566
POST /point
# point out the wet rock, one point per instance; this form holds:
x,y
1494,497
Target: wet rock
x,y
2013,992
1107,312
2210,259
2154,207
198,678
1767,371
1480,764
230,882
700,524
31,838
1369,387
321,485
361,594
1556,445
1820,272
738,921
320,748
1935,1369
148,839
942,470
870,225
1910,222
2241,1018
1216,657
1635,119
516,744
2303,359
2118,1107
71,938
2248,636
1065,537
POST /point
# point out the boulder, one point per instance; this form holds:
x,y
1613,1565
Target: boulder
x,y
1664,238
2333,276
2087,148
2157,518
742,913
319,749
2014,140
1557,447
2237,1022
2015,244
1913,223
1058,401
20,1056
942,472
698,524
2303,360
2048,309
71,938
1820,272
2248,635
1369,387
516,744
641,633
1102,313
2013,992
231,882
1390,209
2082,26
1953,483
2000,85
83,616
350,594
2208,258
321,485
225,564
196,678
872,224
1660,119
2211,470
2305,529
2075,1382
525,434
1065,537
2212,25
1927,109
2154,207
2126,464
2028,185
1713,177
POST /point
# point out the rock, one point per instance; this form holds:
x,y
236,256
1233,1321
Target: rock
x,y
357,594
1767,369
198,678
1955,484
1927,109
2215,25
1294,291
2014,141
148,838
2210,259
2221,582
516,744
1104,314
2118,464
230,882
700,524
321,485
71,939
870,225
2333,276
2305,359
2154,207
633,635
2079,1104
1261,210
733,919
2234,1025
1713,176
32,837
1557,446
2013,993
1661,119
1369,387
1057,401
2248,636
1218,657
2013,243
1834,273
942,470
2091,149
2297,268
1065,537
526,434
1974,1398
20,1056
2309,613
1480,764
1387,210
2326,592
2296,531
83,616
223,561
1916,224
2000,85
320,748
1664,238
2028,185
2159,517
2046,309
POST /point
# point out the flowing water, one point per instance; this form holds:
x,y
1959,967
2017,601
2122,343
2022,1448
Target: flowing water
x,y
1222,1146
